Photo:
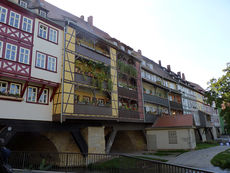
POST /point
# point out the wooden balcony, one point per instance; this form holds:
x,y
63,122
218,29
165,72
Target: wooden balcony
x,y
128,114
7,66
150,118
92,54
87,80
176,105
132,94
156,100
87,109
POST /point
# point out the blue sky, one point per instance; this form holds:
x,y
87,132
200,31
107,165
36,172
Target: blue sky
x,y
193,36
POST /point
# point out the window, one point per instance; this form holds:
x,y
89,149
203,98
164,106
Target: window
x,y
52,35
3,13
3,87
40,60
23,3
24,55
11,51
100,102
42,13
32,94
1,48
172,137
44,97
43,30
27,24
86,99
51,63
14,19
15,88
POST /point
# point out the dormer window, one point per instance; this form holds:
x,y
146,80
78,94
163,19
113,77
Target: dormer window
x,y
129,51
23,3
123,48
42,13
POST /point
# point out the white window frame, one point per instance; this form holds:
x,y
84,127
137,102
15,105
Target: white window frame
x,y
43,29
44,97
53,35
4,15
23,3
2,82
33,93
172,136
15,90
23,56
1,48
51,63
43,13
40,57
28,23
14,19
11,51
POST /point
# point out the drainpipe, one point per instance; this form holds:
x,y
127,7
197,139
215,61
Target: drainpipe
x,y
63,73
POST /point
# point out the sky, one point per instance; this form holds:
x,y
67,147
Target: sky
x,y
193,36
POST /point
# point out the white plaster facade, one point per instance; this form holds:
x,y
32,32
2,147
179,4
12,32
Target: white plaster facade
x,y
49,48
185,139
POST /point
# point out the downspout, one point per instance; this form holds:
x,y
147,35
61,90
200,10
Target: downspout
x,y
169,108
63,73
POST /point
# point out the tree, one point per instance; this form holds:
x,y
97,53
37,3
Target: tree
x,y
218,91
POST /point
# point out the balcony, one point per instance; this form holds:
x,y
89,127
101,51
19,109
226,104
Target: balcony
x,y
202,119
87,80
150,118
175,105
131,94
13,67
128,114
92,54
87,109
156,100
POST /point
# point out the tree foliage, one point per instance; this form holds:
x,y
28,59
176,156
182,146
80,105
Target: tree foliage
x,y
219,92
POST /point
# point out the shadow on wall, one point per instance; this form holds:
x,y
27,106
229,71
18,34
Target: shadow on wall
x,y
128,142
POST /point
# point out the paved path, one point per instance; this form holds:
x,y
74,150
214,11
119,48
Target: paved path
x,y
200,158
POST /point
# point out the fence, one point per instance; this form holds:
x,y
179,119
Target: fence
x,y
75,162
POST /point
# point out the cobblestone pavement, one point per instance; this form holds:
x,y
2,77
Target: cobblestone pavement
x,y
200,158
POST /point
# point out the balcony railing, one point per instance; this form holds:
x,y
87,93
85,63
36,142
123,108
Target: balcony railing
x,y
132,94
175,105
156,100
150,118
88,109
87,80
92,54
124,113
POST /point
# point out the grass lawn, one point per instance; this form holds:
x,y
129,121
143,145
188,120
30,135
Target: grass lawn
x,y
122,163
204,145
222,159
167,153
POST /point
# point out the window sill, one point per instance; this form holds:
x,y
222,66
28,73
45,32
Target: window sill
x,y
11,98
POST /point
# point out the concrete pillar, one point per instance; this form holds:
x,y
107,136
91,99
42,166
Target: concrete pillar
x,y
111,140
203,135
96,140
192,138
214,132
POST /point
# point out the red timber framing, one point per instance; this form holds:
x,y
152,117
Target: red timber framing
x,y
24,89
52,95
40,92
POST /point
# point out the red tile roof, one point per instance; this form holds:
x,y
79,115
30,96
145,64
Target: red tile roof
x,y
174,121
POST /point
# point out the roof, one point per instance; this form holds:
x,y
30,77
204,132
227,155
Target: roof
x,y
59,14
174,121
197,87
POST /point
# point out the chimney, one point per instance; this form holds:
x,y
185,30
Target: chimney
x,y
159,62
82,17
179,74
90,20
183,76
139,51
168,67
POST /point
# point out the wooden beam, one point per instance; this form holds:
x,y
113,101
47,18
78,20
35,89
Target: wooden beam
x,y
40,92
24,89
54,91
